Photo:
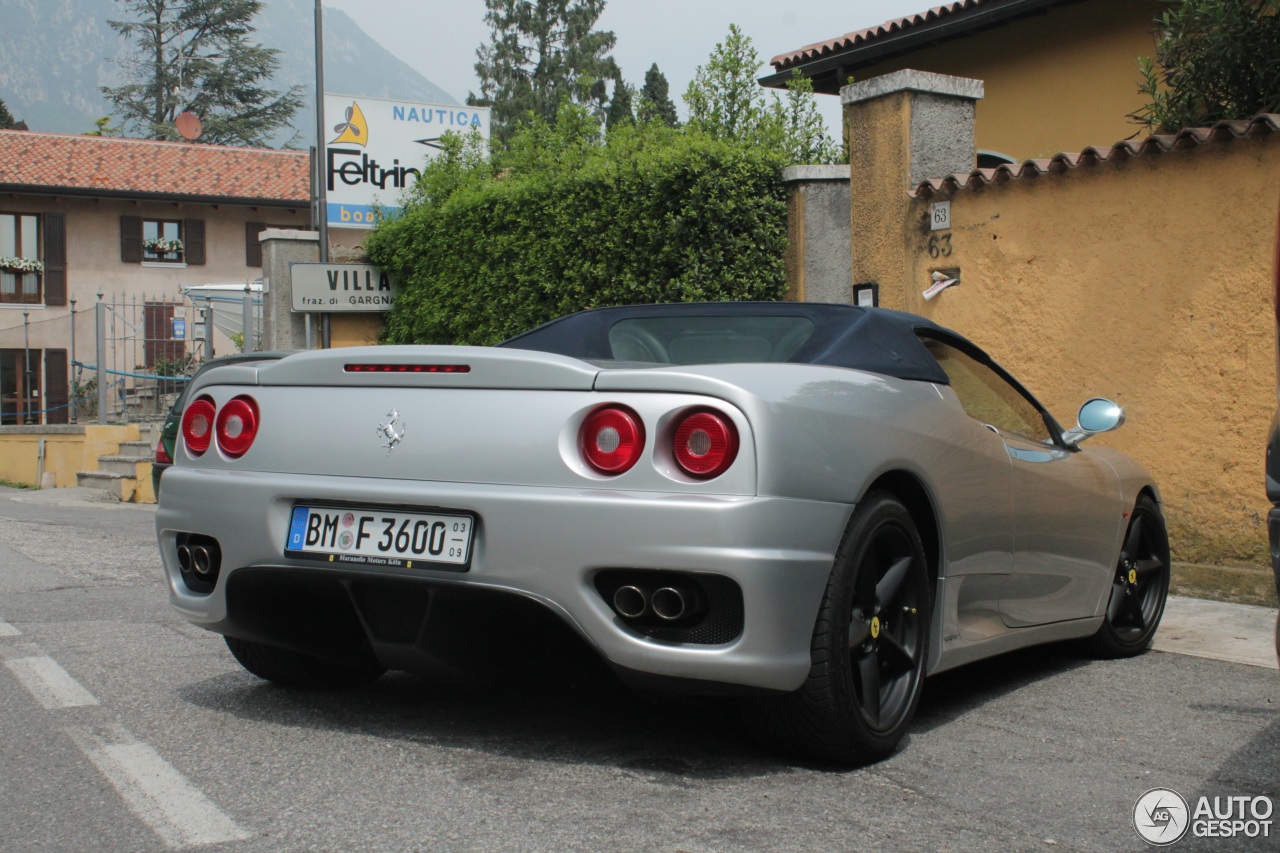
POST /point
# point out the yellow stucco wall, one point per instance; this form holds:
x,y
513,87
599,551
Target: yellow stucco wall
x,y
1148,281
793,257
879,176
1055,82
355,330
67,451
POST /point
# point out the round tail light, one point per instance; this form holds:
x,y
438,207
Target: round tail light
x,y
197,425
706,443
612,439
237,426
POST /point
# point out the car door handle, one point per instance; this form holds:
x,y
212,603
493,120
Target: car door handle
x,y
993,429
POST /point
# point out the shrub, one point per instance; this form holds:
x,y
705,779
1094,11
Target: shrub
x,y
565,220
1215,59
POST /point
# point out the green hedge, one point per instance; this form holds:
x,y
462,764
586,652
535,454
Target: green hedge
x,y
649,216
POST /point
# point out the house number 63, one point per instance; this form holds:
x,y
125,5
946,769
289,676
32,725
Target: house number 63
x,y
939,246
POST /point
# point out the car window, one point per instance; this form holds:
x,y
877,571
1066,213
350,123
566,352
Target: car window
x,y
986,395
708,340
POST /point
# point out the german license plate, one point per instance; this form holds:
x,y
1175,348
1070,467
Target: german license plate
x,y
374,537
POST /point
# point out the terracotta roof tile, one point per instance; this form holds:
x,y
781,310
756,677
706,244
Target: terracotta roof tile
x,y
114,166
783,61
1186,139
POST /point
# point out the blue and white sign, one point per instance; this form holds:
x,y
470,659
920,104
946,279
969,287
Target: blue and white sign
x,y
376,149
179,329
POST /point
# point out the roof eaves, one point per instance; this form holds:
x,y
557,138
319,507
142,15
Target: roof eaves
x,y
864,47
1187,139
132,195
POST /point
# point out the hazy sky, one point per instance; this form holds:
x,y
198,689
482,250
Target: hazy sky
x,y
439,37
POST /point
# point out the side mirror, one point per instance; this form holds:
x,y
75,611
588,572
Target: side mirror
x,y
1097,415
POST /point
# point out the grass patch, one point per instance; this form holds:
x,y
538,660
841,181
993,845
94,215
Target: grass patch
x,y
1241,585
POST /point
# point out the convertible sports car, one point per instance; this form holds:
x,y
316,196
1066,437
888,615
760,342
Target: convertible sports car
x,y
810,507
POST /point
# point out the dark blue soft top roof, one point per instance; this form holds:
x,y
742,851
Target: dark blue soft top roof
x,y
872,339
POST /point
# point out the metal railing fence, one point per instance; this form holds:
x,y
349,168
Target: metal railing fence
x,y
147,348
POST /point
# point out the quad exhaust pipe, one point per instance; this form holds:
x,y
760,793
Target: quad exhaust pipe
x,y
670,602
199,560
631,602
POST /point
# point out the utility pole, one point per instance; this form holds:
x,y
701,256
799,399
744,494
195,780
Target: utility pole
x,y
322,181
71,374
26,347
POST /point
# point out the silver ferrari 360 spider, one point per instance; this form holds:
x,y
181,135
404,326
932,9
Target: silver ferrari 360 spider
x,y
811,507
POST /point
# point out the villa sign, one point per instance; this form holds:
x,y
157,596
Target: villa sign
x,y
338,288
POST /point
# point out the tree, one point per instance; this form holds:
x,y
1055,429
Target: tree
x,y
197,55
102,127
620,109
7,119
1217,59
726,102
655,99
724,98
543,53
801,133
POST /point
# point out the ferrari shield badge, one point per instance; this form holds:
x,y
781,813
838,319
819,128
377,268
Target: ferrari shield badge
x,y
392,431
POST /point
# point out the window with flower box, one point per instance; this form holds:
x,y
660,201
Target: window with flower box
x,y
161,241
33,258
21,269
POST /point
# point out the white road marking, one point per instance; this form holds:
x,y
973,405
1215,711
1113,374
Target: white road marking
x,y
51,685
156,792
7,630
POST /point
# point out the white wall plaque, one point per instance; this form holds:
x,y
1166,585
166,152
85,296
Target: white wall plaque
x,y
940,216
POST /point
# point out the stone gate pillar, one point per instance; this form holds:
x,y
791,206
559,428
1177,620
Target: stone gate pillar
x,y
904,128
282,329
818,234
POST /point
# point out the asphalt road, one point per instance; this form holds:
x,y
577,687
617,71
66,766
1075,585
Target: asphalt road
x,y
124,729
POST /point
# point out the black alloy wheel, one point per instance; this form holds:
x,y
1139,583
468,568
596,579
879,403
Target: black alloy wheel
x,y
869,649
1139,587
886,633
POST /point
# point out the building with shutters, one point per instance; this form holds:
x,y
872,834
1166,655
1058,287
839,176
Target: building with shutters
x,y
128,218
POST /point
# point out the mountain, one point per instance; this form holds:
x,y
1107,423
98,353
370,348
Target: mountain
x,y
52,59
55,54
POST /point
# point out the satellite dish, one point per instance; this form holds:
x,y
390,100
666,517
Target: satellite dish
x,y
188,125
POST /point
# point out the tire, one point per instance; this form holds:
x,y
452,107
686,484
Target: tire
x,y
294,669
869,647
1139,587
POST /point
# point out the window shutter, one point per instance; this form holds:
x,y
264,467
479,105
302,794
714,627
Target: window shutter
x,y
253,246
193,241
55,259
131,239
55,387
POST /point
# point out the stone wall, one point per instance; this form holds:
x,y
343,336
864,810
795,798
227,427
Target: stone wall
x,y
818,263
